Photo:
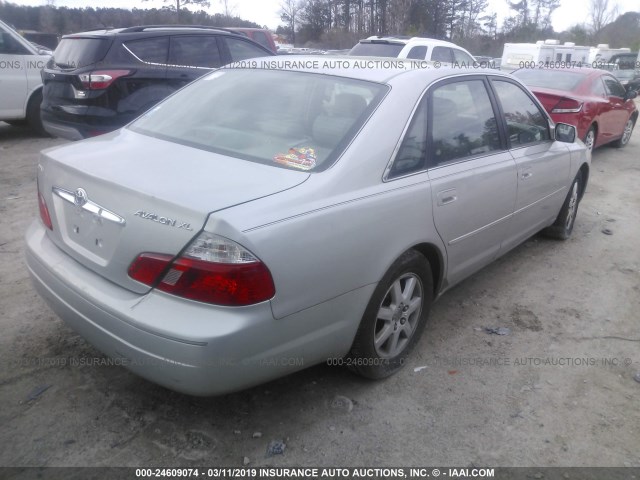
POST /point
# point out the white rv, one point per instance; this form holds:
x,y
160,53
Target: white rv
x,y
543,52
602,53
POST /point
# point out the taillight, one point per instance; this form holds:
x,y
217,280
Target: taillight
x,y
213,269
101,79
44,212
567,105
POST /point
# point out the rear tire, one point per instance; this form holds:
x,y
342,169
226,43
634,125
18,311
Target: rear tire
x,y
394,319
563,225
33,114
626,134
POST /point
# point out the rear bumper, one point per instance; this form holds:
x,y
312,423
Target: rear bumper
x,y
187,346
77,130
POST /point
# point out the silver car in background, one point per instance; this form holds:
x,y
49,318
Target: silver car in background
x,y
262,221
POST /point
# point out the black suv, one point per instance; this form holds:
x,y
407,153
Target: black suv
x,y
100,80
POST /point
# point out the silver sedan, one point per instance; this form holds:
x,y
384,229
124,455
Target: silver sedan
x,y
262,220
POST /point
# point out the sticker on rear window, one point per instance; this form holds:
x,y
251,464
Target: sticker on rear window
x,y
302,158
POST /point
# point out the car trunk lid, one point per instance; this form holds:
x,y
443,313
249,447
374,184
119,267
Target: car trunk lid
x,y
122,194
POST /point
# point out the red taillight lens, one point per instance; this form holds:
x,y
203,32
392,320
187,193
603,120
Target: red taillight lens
x,y
567,105
212,270
44,212
148,267
101,79
232,285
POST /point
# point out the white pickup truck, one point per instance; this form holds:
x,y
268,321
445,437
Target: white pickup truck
x,y
20,80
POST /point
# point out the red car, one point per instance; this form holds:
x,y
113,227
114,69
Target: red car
x,y
593,100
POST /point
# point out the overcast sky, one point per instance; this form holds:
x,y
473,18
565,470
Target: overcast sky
x,y
265,12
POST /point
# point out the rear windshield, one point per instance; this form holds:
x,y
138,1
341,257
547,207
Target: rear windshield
x,y
556,79
284,119
377,49
80,52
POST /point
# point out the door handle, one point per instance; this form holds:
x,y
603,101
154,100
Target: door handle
x,y
447,196
526,175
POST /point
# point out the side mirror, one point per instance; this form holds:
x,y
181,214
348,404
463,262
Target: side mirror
x,y
565,133
630,95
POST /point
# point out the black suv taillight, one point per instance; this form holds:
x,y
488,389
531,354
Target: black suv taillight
x,y
101,79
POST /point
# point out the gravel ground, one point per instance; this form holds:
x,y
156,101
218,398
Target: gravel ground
x,y
557,390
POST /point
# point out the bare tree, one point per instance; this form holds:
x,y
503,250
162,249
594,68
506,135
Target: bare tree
x,y
601,13
228,8
289,10
176,5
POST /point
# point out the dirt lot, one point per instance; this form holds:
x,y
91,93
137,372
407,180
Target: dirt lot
x,y
558,390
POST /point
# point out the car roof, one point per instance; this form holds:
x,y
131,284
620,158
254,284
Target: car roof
x,y
153,29
373,69
407,40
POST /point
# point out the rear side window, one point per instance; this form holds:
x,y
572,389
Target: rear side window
x,y
597,88
418,53
241,50
382,49
442,54
197,51
262,39
150,50
614,88
525,121
412,152
463,122
80,52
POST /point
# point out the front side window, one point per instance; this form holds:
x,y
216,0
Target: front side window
x,y
526,123
197,51
283,119
10,46
614,88
462,120
462,57
242,50
418,53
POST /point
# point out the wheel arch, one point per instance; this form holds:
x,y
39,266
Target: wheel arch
x,y
436,260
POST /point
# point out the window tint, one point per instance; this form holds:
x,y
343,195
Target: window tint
x,y
150,50
80,52
462,57
196,51
613,86
525,121
442,54
418,53
262,39
411,154
463,121
241,50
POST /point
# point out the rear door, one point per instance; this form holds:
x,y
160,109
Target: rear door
x,y
543,165
473,176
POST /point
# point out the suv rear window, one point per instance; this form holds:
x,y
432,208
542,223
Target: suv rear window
x,y
301,121
80,52
377,49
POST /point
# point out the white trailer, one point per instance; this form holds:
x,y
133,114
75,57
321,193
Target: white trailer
x,y
602,53
543,52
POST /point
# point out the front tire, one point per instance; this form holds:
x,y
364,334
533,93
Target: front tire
x,y
394,319
563,225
